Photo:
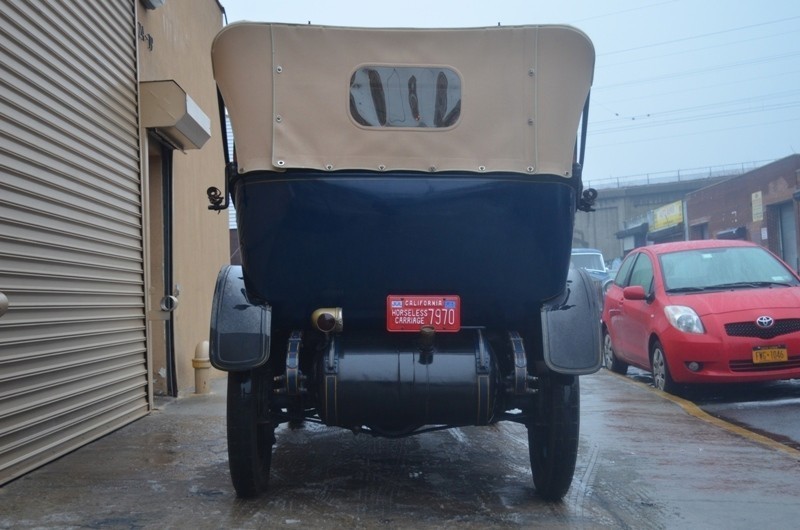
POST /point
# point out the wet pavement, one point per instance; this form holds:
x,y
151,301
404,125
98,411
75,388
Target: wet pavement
x,y
645,462
769,408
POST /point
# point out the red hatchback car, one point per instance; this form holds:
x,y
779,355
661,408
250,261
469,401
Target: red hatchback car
x,y
703,312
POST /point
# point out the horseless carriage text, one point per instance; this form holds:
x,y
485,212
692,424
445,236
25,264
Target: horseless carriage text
x,y
405,202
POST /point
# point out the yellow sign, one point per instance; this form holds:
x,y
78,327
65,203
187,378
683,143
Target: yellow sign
x,y
667,216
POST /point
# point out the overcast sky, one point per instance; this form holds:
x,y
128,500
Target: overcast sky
x,y
679,84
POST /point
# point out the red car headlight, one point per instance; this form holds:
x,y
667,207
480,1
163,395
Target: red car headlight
x,y
684,319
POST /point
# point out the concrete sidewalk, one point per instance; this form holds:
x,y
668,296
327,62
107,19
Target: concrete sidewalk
x,y
166,470
644,462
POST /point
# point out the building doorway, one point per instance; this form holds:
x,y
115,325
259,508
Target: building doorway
x,y
787,229
163,294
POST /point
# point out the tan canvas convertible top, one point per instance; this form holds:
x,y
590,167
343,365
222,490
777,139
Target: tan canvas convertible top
x,y
303,96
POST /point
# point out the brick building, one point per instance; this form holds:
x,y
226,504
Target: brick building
x,y
760,206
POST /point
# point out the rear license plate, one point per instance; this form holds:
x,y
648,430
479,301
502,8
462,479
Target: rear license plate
x,y
770,354
413,312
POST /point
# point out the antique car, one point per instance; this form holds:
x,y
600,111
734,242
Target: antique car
x,y
405,201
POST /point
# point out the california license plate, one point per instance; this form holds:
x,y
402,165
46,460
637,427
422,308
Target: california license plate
x,y
413,312
770,354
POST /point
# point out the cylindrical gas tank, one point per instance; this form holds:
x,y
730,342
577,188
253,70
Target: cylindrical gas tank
x,y
393,383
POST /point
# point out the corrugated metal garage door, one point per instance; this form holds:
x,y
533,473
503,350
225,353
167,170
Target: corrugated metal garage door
x,y
72,345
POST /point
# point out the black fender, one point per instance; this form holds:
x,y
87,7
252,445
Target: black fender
x,y
571,327
240,330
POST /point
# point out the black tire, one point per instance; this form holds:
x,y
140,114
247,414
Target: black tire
x,y
659,367
553,435
610,360
251,434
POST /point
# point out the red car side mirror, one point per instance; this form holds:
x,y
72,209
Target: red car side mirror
x,y
634,292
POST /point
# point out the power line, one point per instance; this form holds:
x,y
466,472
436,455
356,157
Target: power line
x,y
746,54
699,71
727,103
701,36
630,126
590,146
695,50
696,88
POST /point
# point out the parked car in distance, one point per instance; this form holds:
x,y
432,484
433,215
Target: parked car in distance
x,y
708,311
592,261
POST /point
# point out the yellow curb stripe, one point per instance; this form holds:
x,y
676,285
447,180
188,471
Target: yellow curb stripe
x,y
693,410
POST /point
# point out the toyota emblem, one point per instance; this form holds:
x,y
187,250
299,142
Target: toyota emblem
x,y
765,322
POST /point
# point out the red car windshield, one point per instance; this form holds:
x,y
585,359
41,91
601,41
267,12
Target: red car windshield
x,y
723,268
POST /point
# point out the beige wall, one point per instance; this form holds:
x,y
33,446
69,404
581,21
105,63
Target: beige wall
x,y
181,32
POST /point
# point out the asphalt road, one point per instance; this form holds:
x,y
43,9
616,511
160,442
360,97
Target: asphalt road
x,y
771,409
645,462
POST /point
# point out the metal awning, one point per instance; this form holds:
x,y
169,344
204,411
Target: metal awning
x,y
169,110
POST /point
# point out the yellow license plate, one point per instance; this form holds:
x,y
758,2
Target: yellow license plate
x,y
770,354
